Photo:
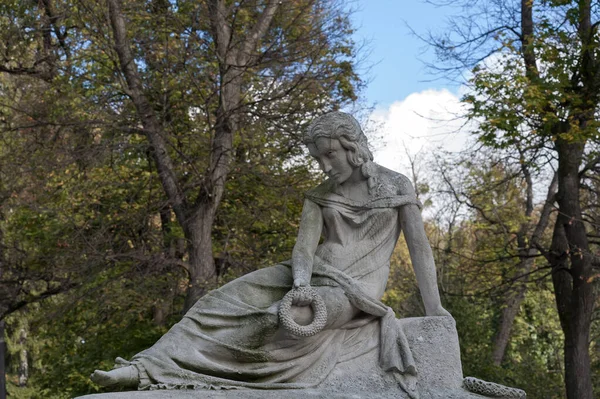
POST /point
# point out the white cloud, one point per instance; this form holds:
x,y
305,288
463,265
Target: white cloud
x,y
422,121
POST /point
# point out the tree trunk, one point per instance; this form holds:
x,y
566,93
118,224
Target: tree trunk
x,y
199,257
511,308
2,362
23,361
513,300
234,61
527,251
2,323
202,264
571,272
569,253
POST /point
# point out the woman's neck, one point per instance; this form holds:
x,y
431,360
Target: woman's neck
x,y
356,188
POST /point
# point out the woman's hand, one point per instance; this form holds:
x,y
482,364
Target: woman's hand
x,y
300,282
303,313
304,299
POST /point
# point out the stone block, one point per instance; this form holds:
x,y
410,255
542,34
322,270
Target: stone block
x,y
435,347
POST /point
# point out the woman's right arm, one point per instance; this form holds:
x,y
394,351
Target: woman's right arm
x,y
339,308
309,234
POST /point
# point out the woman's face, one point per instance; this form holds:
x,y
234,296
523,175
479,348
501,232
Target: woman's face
x,y
332,159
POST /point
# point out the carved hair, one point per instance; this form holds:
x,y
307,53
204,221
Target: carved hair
x,y
346,129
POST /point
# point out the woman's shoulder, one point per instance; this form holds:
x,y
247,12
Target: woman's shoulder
x,y
392,182
388,183
322,190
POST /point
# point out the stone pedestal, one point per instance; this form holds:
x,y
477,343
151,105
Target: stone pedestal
x,y
435,347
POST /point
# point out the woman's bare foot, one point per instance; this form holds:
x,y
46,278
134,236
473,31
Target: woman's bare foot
x,y
124,376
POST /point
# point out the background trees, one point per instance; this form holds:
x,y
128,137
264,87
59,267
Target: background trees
x,y
149,151
535,93
123,122
245,41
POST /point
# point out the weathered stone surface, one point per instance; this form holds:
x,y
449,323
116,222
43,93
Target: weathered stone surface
x,y
282,394
232,337
435,347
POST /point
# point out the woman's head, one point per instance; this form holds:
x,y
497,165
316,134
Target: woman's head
x,y
346,129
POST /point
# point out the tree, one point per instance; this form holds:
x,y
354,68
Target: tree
x,y
197,74
498,189
249,47
478,240
538,94
124,140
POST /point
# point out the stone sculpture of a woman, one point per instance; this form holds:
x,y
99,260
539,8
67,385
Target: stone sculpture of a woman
x,y
232,337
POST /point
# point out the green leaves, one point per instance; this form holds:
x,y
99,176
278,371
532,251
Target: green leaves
x,y
534,97
82,207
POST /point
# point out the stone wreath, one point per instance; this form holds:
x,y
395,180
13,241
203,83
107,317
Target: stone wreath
x,y
492,390
317,304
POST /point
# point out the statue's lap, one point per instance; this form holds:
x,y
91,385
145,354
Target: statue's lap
x,y
435,347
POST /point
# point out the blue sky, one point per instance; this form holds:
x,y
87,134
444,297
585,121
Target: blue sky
x,y
415,112
396,53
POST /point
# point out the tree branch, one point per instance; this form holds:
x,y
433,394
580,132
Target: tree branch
x,y
258,31
152,127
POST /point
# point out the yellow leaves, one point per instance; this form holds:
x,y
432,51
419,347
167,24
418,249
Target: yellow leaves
x,y
592,278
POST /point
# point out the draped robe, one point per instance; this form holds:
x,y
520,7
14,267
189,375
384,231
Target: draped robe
x,y
232,338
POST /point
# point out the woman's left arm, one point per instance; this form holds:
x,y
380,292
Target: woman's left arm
x,y
422,259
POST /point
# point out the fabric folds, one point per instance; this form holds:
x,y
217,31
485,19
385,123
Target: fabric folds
x,y
231,338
